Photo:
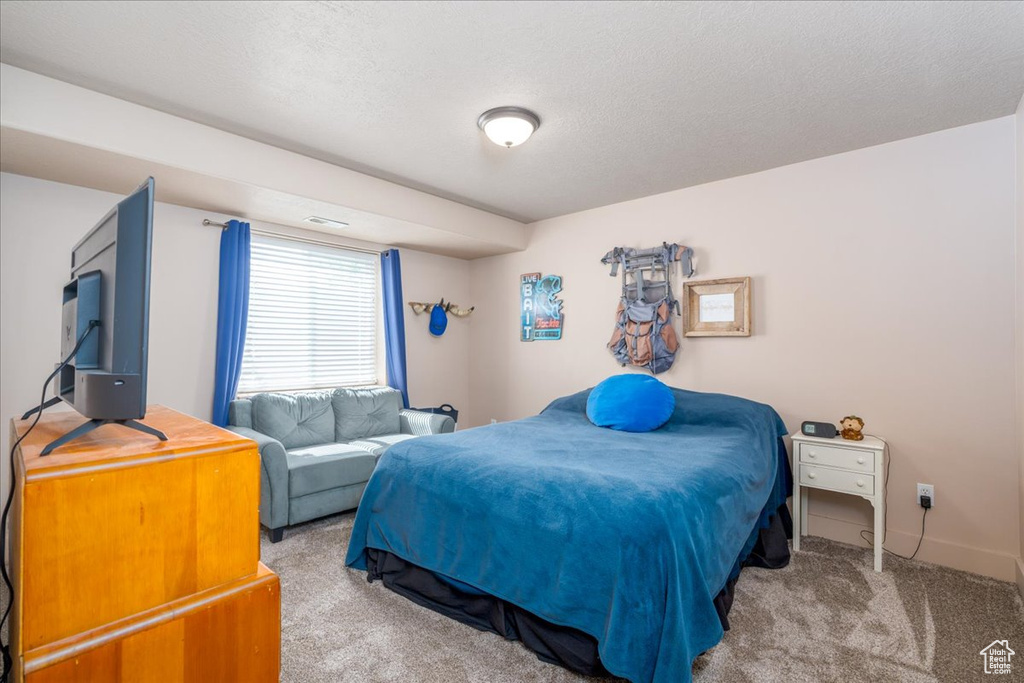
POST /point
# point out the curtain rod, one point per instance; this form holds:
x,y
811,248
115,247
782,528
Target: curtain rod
x,y
299,238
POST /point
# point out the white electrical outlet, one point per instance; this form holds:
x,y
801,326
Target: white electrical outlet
x,y
493,421
925,490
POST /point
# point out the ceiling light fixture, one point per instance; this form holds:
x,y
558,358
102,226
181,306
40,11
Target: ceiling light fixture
x,y
508,126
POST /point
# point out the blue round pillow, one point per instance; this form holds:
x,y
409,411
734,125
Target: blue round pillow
x,y
630,403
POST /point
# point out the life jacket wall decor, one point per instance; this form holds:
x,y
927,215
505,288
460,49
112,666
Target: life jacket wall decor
x,y
644,335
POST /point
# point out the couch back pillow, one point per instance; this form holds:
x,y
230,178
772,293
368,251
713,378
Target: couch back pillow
x,y
296,420
362,413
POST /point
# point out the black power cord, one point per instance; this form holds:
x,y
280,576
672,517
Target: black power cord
x,y
885,516
5,649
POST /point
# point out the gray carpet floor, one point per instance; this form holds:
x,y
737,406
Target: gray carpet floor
x,y
826,617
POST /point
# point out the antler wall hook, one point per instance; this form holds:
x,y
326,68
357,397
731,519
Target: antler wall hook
x,y
449,307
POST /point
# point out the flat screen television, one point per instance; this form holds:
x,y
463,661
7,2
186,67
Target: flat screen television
x,y
106,316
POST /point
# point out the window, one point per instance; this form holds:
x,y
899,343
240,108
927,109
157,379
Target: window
x,y
312,317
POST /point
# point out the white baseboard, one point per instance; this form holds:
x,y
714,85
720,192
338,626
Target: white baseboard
x,y
977,560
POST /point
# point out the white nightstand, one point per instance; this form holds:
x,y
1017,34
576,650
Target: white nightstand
x,y
855,467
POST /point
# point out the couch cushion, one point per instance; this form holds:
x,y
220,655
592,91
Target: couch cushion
x,y
362,413
327,466
305,508
384,441
296,420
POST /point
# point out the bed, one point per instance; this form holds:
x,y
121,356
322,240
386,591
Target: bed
x,y
607,552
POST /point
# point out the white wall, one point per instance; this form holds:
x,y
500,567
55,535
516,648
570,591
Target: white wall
x,y
40,221
438,366
883,285
1019,148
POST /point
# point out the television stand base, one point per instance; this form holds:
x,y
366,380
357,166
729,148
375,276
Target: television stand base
x,y
84,429
40,408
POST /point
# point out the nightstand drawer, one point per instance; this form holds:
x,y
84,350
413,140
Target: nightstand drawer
x,y
837,480
847,458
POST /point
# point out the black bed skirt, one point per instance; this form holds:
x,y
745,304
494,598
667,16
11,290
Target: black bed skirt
x,y
562,645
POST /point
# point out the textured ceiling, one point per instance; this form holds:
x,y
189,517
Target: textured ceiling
x,y
634,98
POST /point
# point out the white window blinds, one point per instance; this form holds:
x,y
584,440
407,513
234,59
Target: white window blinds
x,y
312,317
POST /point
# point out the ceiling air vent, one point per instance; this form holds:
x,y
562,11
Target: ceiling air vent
x,y
327,222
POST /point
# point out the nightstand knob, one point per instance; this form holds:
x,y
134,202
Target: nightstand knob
x,y
811,475
860,460
860,483
812,454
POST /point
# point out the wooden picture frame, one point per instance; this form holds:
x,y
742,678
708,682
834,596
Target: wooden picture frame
x,y
717,308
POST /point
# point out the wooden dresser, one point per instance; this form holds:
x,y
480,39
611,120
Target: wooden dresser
x,y
138,560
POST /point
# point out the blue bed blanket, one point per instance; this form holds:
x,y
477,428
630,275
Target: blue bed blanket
x,y
626,537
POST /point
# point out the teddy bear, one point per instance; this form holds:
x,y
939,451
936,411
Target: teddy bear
x,y
851,428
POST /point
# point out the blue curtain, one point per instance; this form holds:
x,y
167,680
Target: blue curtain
x,y
232,314
394,321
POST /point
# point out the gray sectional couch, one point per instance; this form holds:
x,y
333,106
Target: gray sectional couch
x,y
319,448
